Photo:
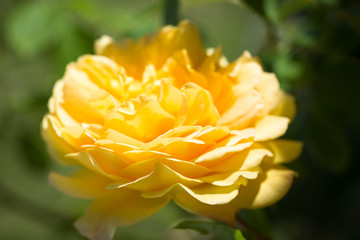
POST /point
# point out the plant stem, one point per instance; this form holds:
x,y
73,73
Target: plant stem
x,y
244,227
171,12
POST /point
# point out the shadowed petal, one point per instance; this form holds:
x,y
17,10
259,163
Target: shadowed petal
x,y
82,184
122,208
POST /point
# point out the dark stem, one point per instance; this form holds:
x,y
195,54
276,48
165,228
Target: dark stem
x,y
244,227
171,12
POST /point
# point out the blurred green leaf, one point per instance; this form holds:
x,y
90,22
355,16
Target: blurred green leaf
x,y
287,69
32,27
220,231
272,10
234,27
119,18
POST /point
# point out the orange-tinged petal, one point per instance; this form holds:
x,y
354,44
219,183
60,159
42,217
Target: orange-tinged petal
x,y
172,100
201,109
137,125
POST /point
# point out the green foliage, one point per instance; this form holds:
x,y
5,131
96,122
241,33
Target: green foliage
x,y
220,231
244,29
32,27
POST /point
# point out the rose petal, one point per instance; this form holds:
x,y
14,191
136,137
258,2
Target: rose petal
x,y
82,184
143,168
265,190
206,193
270,127
284,151
286,106
57,146
122,208
161,178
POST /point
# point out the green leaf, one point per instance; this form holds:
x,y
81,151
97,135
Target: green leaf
x,y
31,27
220,231
272,10
247,30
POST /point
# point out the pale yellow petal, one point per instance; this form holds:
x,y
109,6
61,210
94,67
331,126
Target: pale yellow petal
x,y
144,154
242,110
244,160
286,106
270,127
269,89
160,178
265,190
82,184
143,168
206,193
118,137
223,212
57,146
122,208
221,153
284,151
100,161
230,178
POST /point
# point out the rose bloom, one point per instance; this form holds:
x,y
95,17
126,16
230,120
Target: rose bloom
x,y
162,119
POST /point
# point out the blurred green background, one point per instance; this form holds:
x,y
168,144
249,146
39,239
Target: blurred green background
x,y
312,45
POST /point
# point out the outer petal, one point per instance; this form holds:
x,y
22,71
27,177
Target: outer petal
x,y
122,208
224,212
286,107
284,151
58,147
242,110
265,190
270,127
205,193
143,168
82,184
161,177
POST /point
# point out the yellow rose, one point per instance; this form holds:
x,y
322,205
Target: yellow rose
x,y
162,119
